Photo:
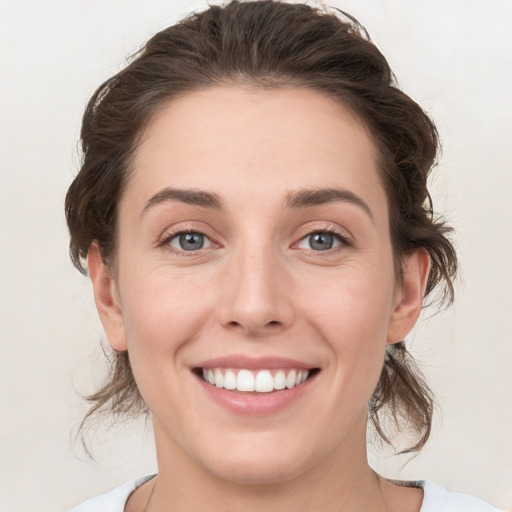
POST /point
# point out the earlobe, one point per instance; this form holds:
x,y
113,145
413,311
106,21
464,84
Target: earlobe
x,y
409,296
106,298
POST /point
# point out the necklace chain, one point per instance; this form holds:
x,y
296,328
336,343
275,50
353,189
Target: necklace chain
x,y
146,508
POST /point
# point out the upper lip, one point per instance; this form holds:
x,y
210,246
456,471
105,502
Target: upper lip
x,y
253,363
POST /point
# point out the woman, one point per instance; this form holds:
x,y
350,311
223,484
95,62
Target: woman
x,y
254,213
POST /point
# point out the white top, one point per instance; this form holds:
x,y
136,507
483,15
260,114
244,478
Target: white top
x,y
435,499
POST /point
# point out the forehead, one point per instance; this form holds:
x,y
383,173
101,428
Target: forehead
x,y
232,140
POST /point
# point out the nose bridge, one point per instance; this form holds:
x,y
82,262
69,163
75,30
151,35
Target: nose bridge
x,y
256,298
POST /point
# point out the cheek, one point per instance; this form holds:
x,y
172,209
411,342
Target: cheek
x,y
162,312
352,315
162,316
357,303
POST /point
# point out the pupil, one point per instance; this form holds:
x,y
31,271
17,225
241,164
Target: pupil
x,y
321,241
191,241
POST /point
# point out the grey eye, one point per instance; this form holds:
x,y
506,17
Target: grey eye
x,y
321,241
189,241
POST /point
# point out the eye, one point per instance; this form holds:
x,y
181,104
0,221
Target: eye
x,y
190,241
321,241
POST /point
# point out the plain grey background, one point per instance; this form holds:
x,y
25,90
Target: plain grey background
x,y
452,56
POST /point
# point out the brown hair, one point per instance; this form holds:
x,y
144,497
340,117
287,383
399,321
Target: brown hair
x,y
268,44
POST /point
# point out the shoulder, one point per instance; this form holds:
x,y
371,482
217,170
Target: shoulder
x,y
437,499
113,501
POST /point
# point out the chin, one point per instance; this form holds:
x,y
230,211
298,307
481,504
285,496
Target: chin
x,y
258,462
256,472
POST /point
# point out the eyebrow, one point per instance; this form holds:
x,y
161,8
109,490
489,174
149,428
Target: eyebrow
x,y
188,196
318,197
297,199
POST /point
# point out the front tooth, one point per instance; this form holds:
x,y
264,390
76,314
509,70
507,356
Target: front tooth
x,y
298,378
279,380
290,379
245,381
230,380
219,379
264,382
211,377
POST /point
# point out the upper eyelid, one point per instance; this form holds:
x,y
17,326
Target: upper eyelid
x,y
343,239
172,236
164,241
343,235
324,228
181,228
170,233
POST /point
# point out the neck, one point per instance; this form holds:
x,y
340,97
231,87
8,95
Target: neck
x,y
342,480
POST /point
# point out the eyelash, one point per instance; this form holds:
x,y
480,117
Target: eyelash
x,y
344,241
342,238
165,243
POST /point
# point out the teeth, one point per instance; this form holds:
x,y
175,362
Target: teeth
x,y
262,381
245,381
290,379
230,380
279,380
219,378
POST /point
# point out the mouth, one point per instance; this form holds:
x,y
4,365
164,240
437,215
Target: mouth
x,y
255,387
244,380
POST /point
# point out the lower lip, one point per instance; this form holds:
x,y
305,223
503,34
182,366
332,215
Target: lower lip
x,y
256,404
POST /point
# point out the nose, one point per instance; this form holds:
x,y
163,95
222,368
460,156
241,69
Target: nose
x,y
256,296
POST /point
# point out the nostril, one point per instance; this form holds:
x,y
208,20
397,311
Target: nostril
x,y
250,328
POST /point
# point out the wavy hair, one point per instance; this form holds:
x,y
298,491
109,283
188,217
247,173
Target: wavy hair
x,y
269,44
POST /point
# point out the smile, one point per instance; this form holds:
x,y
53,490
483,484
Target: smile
x,y
255,386
260,381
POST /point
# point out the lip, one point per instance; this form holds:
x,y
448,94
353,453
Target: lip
x,y
255,404
253,363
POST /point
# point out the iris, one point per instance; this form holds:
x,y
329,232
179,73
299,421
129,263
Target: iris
x,y
321,241
191,241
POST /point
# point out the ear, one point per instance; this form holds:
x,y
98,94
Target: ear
x,y
409,296
107,299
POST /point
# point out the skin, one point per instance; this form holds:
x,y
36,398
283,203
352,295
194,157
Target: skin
x,y
258,288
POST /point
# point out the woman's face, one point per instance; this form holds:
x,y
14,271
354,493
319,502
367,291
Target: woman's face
x,y
254,250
